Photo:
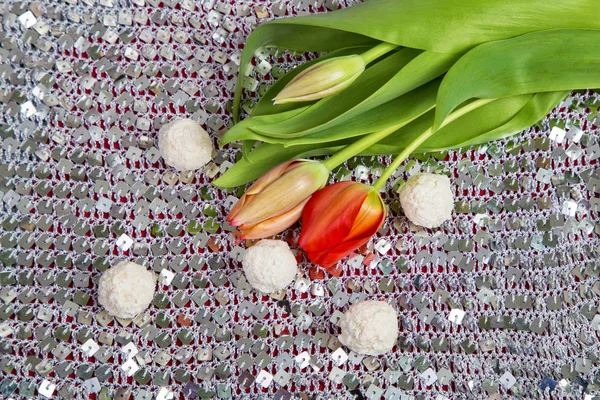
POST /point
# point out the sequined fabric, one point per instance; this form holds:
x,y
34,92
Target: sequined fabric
x,y
500,302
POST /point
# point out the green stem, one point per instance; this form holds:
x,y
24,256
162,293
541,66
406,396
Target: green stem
x,y
401,157
414,145
377,51
353,149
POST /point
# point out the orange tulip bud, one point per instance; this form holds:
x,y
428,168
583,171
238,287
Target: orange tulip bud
x,y
276,200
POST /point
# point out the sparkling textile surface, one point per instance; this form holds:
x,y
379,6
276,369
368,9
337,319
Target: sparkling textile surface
x,y
501,301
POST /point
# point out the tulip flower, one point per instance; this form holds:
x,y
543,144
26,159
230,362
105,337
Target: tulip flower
x,y
342,217
338,219
276,200
329,77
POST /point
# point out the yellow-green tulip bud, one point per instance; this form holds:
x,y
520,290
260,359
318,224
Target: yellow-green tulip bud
x,y
322,79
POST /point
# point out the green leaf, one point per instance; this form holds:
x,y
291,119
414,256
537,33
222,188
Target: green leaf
x,y
265,104
241,130
326,114
533,112
449,26
399,111
247,146
473,124
493,121
437,25
548,61
496,120
371,80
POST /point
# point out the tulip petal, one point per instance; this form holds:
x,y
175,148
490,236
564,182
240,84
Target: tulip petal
x,y
273,225
329,215
322,79
369,219
236,209
282,99
256,188
330,256
266,179
283,194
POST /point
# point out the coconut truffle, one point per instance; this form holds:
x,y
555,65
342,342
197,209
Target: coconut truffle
x,y
270,265
184,145
427,200
126,289
369,327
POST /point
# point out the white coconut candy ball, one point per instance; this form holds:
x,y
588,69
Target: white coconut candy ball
x,y
369,327
270,265
184,145
427,200
126,289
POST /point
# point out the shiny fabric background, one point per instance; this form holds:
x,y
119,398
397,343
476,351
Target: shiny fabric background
x,y
501,302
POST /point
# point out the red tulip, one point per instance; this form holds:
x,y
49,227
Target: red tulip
x,y
339,219
275,201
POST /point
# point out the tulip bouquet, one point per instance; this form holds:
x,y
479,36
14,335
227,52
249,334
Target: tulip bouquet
x,y
399,77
